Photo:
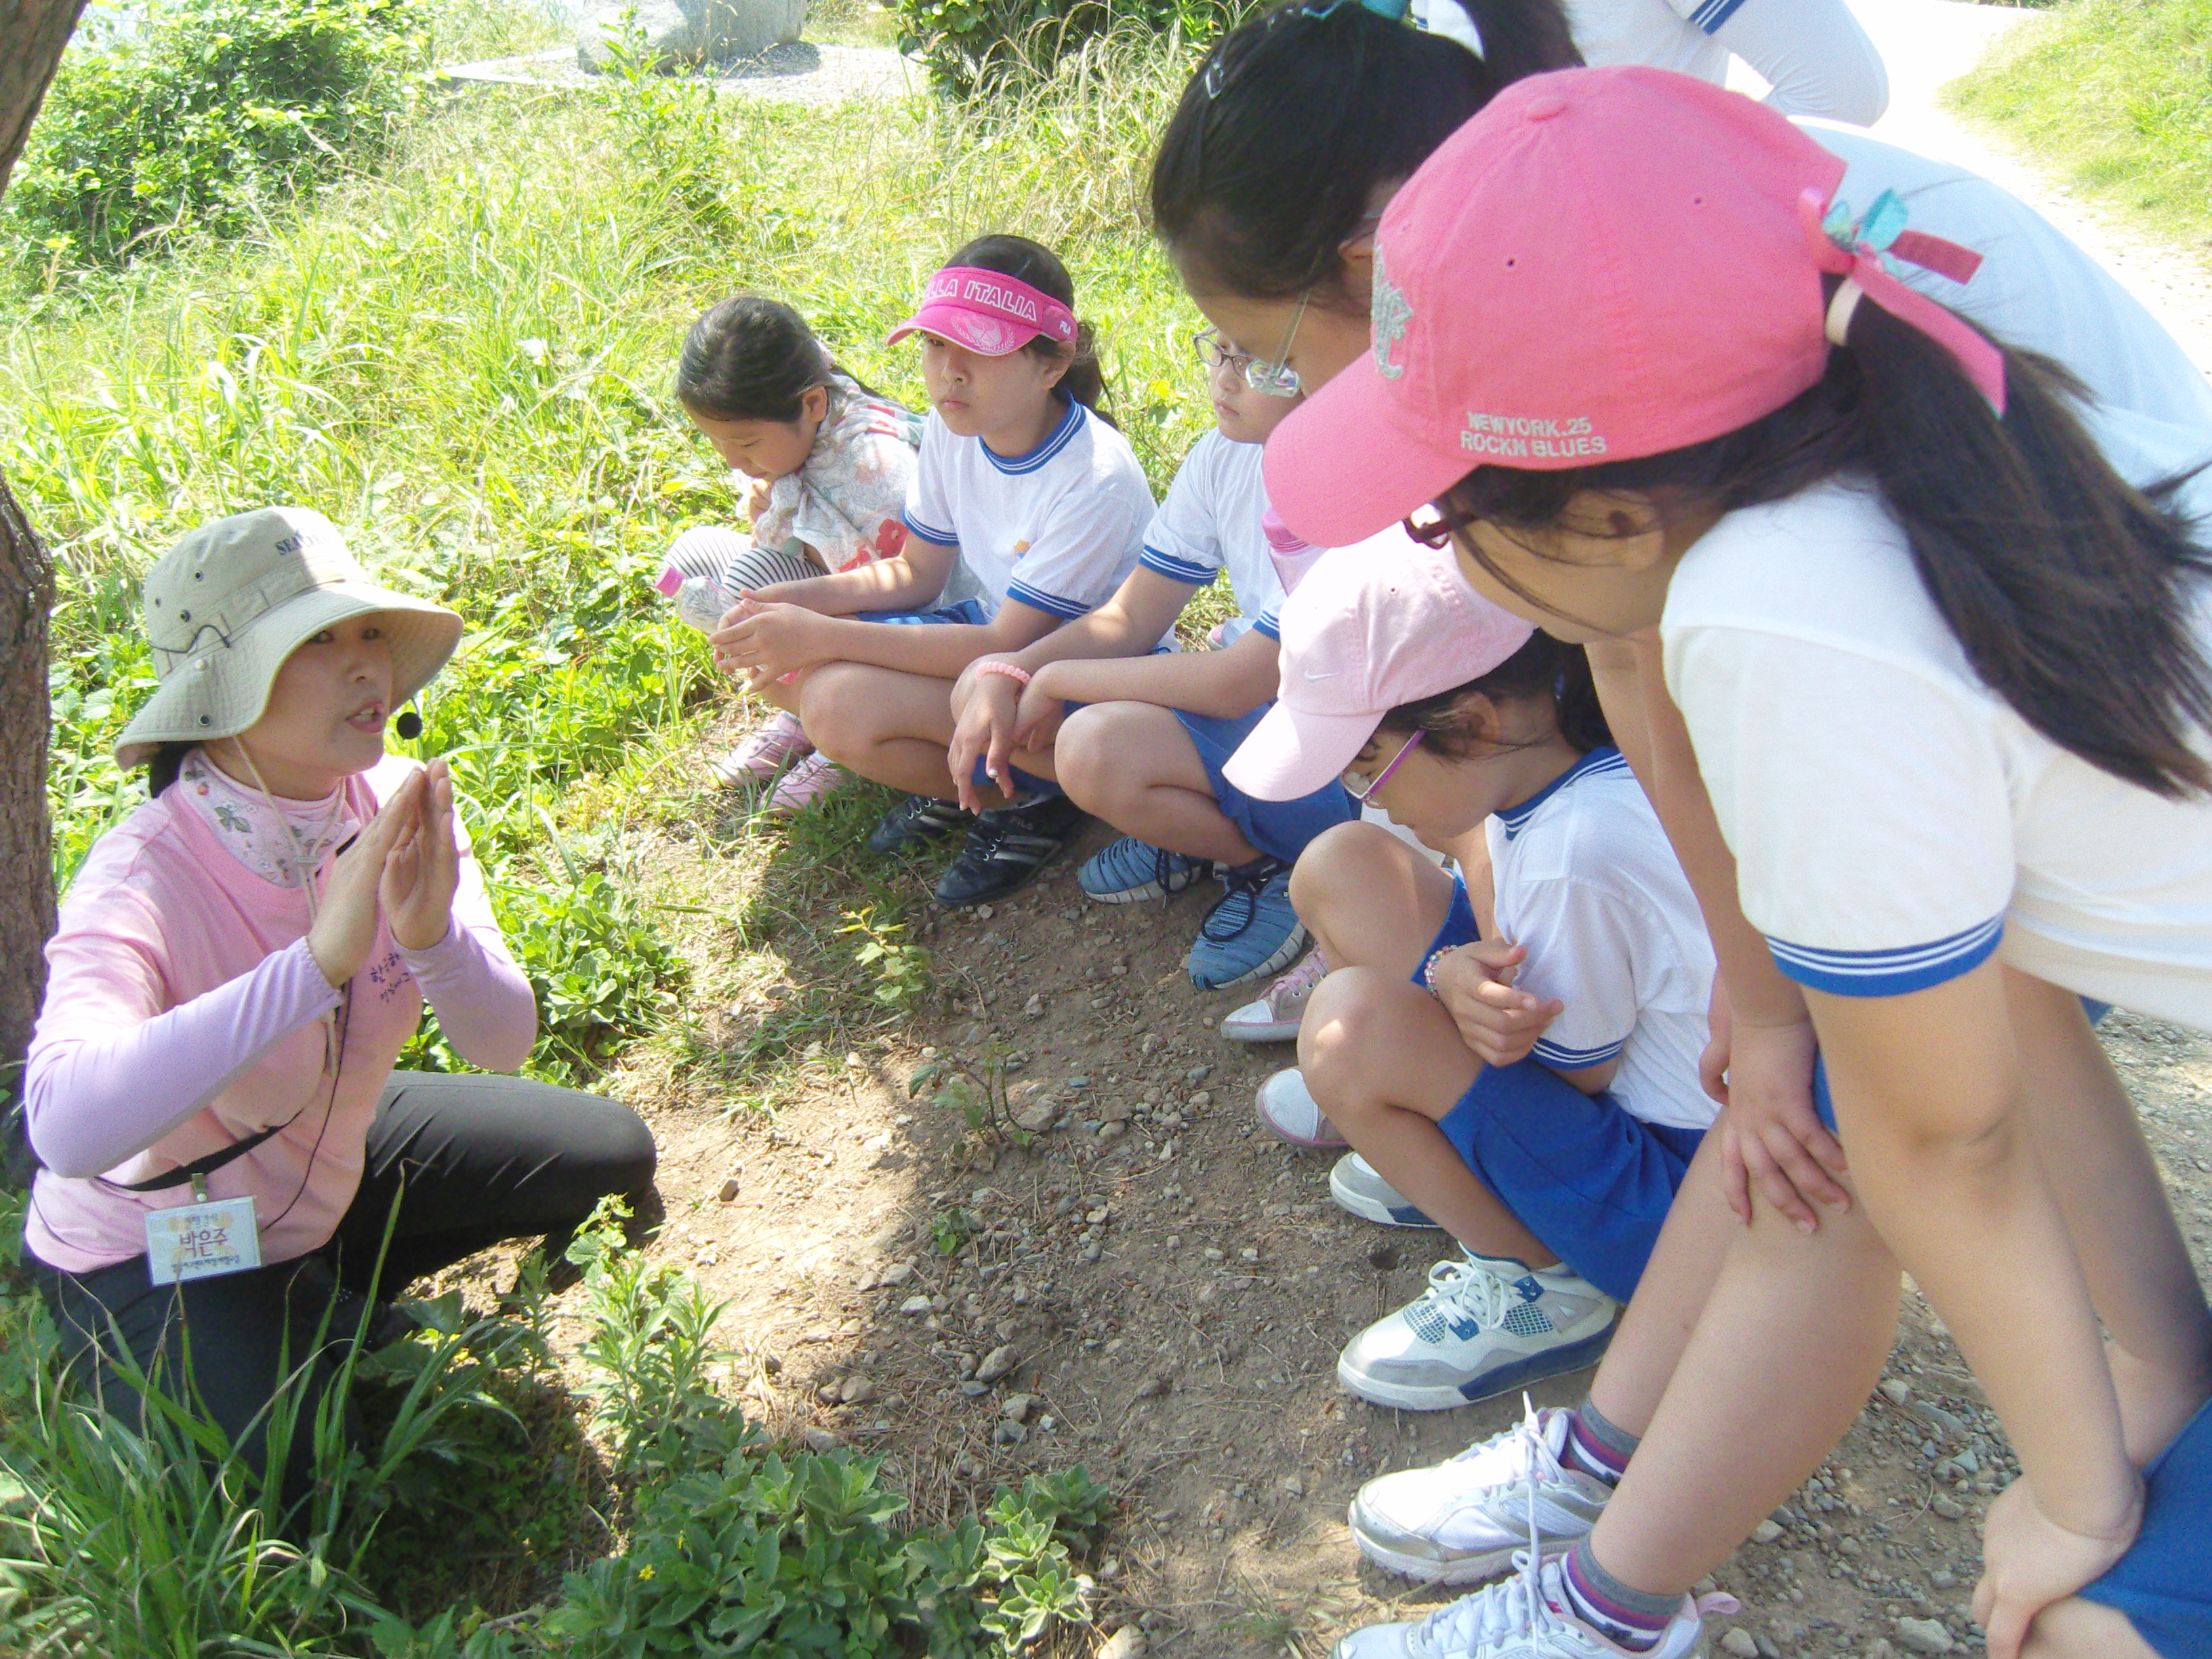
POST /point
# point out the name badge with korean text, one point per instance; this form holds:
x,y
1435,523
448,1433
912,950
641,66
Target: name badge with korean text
x,y
202,1241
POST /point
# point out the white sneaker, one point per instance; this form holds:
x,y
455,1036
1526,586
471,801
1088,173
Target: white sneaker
x,y
1356,1188
1524,1617
1288,1112
1459,1521
1274,1018
1484,1325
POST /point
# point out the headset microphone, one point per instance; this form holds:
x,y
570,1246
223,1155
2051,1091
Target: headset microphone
x,y
408,725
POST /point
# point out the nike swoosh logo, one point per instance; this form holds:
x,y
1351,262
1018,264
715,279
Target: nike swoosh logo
x,y
1331,675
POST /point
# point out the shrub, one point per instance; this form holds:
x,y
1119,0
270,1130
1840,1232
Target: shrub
x,y
209,109
981,45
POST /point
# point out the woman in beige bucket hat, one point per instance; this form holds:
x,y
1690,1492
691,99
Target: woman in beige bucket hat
x,y
209,1094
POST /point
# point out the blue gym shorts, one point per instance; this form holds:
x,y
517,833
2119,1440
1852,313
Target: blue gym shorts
x,y
1279,829
1582,1172
2164,1583
969,611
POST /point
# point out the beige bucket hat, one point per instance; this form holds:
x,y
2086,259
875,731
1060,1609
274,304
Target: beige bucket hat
x,y
230,602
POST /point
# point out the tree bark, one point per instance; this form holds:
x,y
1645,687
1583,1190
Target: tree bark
x,y
31,36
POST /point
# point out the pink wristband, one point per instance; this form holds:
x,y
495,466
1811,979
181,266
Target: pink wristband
x,y
1019,675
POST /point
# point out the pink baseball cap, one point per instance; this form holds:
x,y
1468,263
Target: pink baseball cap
x,y
1372,627
987,312
1604,264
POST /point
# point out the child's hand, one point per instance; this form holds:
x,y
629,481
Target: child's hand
x,y
1475,985
776,640
2030,1562
1036,722
984,730
756,498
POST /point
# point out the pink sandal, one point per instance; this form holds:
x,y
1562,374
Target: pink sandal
x,y
814,776
779,741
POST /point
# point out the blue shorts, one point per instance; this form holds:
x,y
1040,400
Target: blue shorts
x,y
1279,829
2164,1583
1584,1173
969,611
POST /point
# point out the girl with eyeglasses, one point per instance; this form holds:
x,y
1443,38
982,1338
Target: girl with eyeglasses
x,y
1515,1058
1139,737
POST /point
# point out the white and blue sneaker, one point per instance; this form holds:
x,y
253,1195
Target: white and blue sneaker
x,y
1460,1521
1523,1617
1128,871
1252,931
1356,1187
1484,1325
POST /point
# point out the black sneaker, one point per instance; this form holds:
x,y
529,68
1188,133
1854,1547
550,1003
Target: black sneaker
x,y
1007,848
916,819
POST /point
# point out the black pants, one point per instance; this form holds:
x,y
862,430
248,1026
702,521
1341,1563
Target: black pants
x,y
470,1160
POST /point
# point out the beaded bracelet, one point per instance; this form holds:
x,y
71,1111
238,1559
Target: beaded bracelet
x,y
1019,675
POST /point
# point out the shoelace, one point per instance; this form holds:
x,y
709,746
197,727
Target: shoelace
x,y
1245,885
1298,982
1163,864
1534,1458
1471,1286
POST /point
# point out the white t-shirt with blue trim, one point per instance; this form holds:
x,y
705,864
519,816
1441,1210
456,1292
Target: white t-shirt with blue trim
x,y
1211,523
1586,880
1894,822
1058,528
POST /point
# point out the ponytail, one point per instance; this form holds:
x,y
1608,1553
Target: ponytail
x,y
163,765
2070,591
1272,158
1036,264
1544,667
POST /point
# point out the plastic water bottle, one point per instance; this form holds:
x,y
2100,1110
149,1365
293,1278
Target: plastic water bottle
x,y
699,601
1291,553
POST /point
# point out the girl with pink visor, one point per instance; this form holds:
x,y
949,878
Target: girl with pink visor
x,y
1937,629
1027,509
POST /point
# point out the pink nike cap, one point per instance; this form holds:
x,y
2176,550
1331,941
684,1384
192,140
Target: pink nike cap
x,y
987,312
1604,264
1370,628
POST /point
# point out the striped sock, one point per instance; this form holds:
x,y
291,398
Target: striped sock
x,y
1631,1619
1596,1447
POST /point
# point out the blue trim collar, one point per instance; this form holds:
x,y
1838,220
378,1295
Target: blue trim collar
x,y
1603,758
1054,440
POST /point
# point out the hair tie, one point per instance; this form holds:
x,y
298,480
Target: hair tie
x,y
1865,252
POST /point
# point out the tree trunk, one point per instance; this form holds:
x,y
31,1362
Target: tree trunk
x,y
27,914
31,36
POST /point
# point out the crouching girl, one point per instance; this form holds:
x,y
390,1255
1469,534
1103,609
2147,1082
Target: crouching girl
x,y
1536,1093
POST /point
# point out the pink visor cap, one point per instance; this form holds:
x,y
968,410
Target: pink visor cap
x,y
1604,264
989,313
1372,627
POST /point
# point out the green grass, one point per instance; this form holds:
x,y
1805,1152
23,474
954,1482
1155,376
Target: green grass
x,y
2116,97
464,359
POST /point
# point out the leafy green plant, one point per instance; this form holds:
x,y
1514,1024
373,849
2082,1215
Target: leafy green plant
x,y
981,45
204,114
902,968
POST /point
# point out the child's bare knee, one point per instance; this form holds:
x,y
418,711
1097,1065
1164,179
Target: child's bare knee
x,y
835,711
1346,1018
1336,867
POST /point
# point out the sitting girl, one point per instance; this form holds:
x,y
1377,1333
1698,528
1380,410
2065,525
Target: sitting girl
x,y
829,460
1537,1094
1042,505
238,965
1147,753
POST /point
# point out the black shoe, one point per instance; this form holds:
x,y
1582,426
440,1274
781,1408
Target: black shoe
x,y
915,820
1007,848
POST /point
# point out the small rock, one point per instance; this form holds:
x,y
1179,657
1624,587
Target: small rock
x,y
1948,1507
1936,1417
966,1467
1112,1131
1197,1074
983,913
1108,1570
1943,1578
1038,1115
1896,1390
1766,1647
1127,1643
1008,1433
1881,1648
1152,1386
857,1391
915,1305
1014,1408
975,1390
898,1273
1739,1643
822,1440
1765,1532
1247,1254
1033,1008
1924,1635
996,1364
1295,1485
1203,1097
729,1190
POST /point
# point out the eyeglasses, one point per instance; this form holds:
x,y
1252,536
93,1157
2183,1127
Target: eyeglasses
x,y
1277,379
1213,352
1382,777
1438,531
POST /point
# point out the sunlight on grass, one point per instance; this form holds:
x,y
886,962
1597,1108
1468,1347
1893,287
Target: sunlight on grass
x,y
2116,97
